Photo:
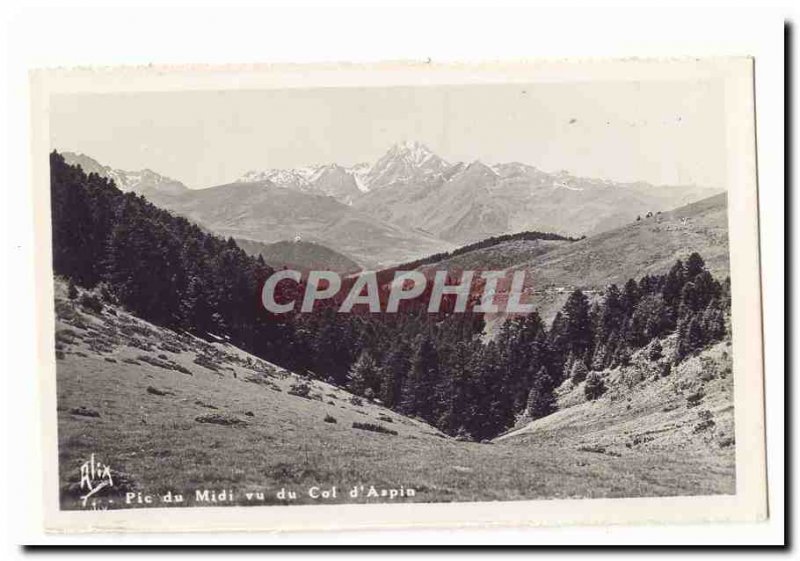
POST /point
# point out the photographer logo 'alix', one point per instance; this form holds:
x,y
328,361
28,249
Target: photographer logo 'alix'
x,y
95,476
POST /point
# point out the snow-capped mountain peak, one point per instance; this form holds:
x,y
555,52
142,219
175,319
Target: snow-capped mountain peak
x,y
414,153
407,162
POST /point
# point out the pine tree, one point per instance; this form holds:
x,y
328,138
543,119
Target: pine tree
x,y
694,265
579,372
541,399
673,284
454,393
393,372
630,297
577,325
599,357
714,322
595,386
363,374
418,389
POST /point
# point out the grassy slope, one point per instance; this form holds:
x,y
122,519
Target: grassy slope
x,y
496,257
649,246
645,412
154,443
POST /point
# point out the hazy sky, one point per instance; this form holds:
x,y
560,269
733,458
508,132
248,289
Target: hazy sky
x,y
661,132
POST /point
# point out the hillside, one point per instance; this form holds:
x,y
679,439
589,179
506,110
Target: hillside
x,y
266,213
648,246
299,255
171,412
497,257
645,247
690,410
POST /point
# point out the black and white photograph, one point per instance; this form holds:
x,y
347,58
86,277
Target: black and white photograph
x,y
486,291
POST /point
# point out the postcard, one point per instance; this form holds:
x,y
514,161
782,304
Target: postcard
x,y
353,296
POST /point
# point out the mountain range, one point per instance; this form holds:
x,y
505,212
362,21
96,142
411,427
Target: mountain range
x,y
144,182
408,204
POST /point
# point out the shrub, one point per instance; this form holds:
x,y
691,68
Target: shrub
x,y
171,347
727,441
374,428
357,401
703,426
656,351
72,291
220,419
463,435
595,386
206,405
155,391
84,411
695,398
300,389
623,357
90,302
106,293
165,364
205,362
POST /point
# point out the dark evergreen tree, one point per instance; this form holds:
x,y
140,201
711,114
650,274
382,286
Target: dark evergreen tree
x,y
541,398
363,375
418,389
595,386
579,372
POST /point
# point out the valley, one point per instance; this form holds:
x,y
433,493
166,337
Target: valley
x,y
626,395
173,413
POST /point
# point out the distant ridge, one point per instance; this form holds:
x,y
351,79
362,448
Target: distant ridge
x,y
407,205
144,182
465,202
300,255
